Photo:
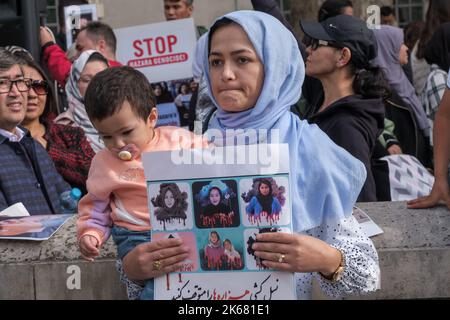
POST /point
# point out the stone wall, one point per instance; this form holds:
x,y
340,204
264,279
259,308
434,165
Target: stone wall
x,y
414,253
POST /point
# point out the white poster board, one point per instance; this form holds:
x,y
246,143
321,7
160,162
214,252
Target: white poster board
x,y
77,17
212,208
162,51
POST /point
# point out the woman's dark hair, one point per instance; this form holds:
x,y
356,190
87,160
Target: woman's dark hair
x,y
438,13
266,182
216,26
183,84
412,33
216,233
370,83
156,85
50,109
96,56
215,188
332,8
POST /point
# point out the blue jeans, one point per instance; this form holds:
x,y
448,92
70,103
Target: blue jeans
x,y
126,240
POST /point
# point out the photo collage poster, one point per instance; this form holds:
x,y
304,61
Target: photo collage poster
x,y
217,210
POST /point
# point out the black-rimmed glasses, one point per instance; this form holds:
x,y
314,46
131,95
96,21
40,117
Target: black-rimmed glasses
x,y
23,85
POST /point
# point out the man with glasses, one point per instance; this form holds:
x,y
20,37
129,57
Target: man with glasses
x,y
27,173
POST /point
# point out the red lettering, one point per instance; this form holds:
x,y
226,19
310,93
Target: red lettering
x,y
136,45
149,45
172,40
160,45
157,46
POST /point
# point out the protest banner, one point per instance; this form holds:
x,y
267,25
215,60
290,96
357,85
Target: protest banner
x,y
218,208
164,52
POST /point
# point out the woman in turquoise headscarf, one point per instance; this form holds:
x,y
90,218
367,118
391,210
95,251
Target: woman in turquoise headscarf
x,y
254,71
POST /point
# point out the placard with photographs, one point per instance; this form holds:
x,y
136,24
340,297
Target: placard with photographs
x,y
218,209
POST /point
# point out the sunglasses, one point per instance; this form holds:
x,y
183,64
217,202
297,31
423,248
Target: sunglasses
x,y
315,44
41,87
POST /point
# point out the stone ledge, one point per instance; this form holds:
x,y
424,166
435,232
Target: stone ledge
x,y
414,253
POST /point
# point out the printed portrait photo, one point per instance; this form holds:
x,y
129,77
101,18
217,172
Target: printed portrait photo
x,y
265,201
38,227
253,262
169,206
360,215
189,240
216,204
221,250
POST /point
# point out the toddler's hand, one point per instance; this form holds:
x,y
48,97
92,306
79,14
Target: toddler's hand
x,y
89,247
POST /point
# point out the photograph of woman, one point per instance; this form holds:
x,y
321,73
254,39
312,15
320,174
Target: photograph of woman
x,y
265,201
214,252
216,205
170,207
233,257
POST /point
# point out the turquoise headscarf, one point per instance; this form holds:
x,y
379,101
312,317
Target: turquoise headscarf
x,y
325,179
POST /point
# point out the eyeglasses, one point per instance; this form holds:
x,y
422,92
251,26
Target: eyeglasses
x,y
23,85
39,86
315,44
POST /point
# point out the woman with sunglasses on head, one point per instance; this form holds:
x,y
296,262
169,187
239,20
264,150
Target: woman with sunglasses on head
x,y
66,145
352,113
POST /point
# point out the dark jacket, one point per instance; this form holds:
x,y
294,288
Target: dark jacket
x,y
312,90
354,123
410,137
27,175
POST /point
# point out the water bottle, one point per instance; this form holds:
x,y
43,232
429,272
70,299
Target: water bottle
x,y
69,200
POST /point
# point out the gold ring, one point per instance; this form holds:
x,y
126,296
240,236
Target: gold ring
x,y
281,258
157,265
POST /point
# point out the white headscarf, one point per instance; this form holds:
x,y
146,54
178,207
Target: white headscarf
x,y
76,114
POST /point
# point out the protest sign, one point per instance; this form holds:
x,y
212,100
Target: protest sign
x,y
164,52
168,115
218,208
77,17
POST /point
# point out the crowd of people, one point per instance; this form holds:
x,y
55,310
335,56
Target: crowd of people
x,y
343,97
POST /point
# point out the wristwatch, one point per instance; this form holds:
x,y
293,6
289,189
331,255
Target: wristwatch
x,y
337,275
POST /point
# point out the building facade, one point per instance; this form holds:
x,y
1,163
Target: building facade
x,y
121,13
